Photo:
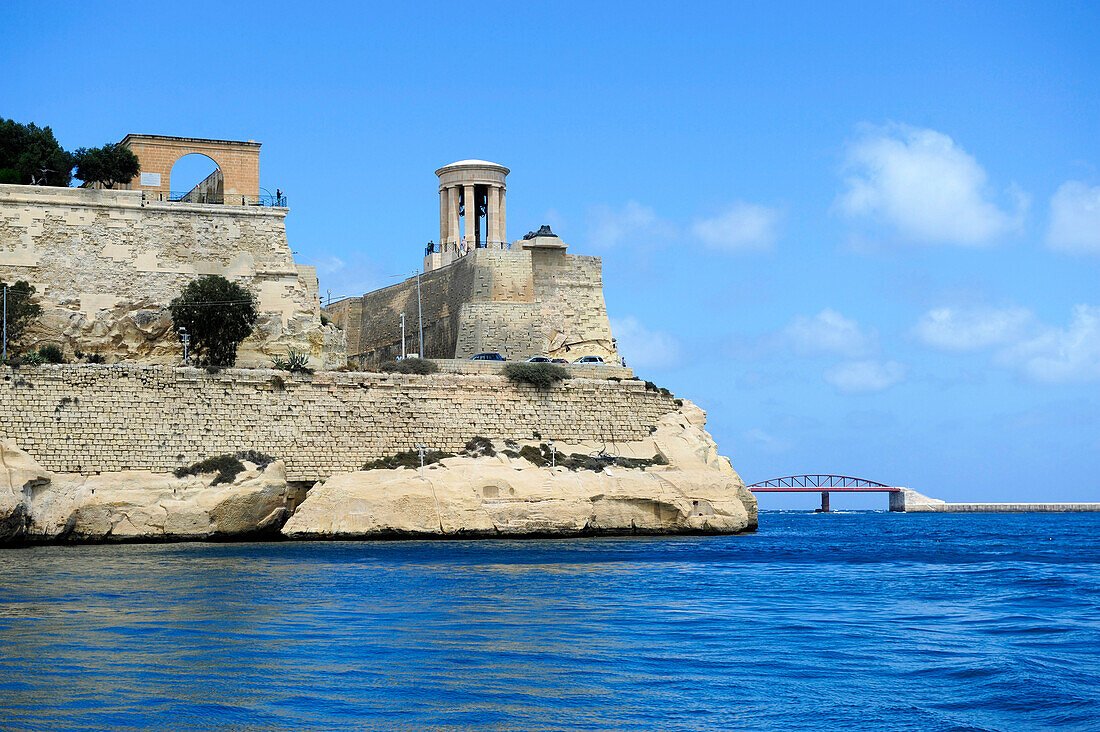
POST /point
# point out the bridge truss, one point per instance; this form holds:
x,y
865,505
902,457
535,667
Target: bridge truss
x,y
823,483
798,483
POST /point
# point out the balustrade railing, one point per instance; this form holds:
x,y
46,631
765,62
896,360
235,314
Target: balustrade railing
x,y
203,198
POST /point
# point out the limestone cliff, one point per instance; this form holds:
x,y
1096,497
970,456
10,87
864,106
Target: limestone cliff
x,y
136,505
697,491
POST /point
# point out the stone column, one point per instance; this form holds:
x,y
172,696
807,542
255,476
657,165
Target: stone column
x,y
452,229
491,223
444,218
502,223
471,214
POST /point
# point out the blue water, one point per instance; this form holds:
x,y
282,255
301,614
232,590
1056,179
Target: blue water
x,y
863,621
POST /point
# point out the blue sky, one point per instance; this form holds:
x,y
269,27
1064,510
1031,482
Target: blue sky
x,y
865,239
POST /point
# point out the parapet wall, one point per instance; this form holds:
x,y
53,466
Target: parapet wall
x,y
106,263
91,419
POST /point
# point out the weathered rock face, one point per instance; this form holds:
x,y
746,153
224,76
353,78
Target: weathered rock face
x,y
19,476
135,505
143,332
697,492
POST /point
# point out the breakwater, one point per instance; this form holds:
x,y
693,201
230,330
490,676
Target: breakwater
x,y
910,501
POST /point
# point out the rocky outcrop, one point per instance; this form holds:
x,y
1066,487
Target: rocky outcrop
x,y
143,332
698,491
19,476
135,505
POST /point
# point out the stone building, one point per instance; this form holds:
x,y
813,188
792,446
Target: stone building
x,y
106,263
478,292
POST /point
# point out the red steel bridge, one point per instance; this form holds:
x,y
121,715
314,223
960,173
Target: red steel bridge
x,y
825,483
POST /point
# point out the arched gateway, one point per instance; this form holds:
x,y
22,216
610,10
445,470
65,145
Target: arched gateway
x,y
238,164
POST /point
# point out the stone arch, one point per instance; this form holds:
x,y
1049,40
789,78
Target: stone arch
x,y
239,163
211,189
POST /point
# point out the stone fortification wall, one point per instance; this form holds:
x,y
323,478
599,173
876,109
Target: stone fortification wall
x,y
518,302
89,419
106,264
569,288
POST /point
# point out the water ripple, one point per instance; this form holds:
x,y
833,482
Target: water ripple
x,y
855,621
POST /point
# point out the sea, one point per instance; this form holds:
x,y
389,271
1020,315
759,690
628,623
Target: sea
x,y
853,621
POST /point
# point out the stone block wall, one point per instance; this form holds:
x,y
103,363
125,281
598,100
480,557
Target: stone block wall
x,y
90,419
106,263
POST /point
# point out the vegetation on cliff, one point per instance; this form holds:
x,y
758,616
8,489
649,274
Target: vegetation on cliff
x,y
543,456
294,362
407,459
218,315
21,310
227,467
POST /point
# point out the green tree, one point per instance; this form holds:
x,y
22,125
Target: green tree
x,y
113,163
218,315
27,150
22,311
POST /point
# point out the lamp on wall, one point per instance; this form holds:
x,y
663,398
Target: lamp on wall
x,y
185,338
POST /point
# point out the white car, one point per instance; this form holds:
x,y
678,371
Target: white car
x,y
596,360
538,359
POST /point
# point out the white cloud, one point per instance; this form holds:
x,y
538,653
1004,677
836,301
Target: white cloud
x,y
642,347
1075,219
861,377
828,332
972,329
925,186
610,227
740,227
1041,353
766,442
1060,355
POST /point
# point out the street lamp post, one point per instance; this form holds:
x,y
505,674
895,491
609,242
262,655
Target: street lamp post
x,y
402,336
420,314
185,338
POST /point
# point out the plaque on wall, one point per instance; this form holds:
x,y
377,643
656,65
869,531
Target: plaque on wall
x,y
150,179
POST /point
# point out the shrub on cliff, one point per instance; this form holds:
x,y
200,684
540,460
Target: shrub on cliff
x,y
218,314
294,362
22,311
542,456
420,366
51,354
113,163
407,459
541,375
227,467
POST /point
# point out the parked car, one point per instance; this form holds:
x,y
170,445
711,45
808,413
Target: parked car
x,y
488,357
559,360
538,359
590,360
